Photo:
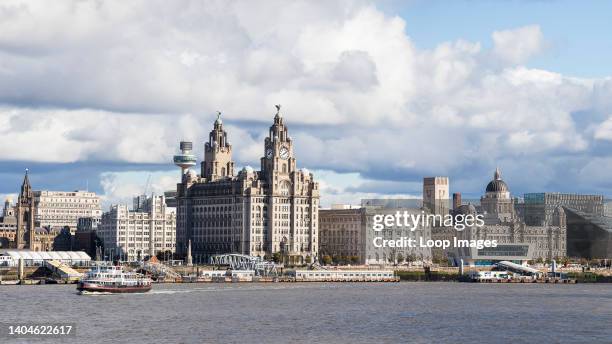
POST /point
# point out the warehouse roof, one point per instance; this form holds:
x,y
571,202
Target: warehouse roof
x,y
46,255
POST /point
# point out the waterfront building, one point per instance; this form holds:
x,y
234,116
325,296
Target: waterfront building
x,y
138,233
395,255
344,276
45,239
348,232
88,223
496,203
436,195
341,233
64,208
86,238
516,240
257,213
20,228
588,235
8,224
11,257
87,241
539,207
171,198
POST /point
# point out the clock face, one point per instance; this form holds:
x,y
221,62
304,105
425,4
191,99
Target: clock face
x,y
269,153
284,153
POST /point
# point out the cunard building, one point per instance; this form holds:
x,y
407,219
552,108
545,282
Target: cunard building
x,y
257,213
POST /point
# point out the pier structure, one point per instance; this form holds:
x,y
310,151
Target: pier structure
x,y
243,262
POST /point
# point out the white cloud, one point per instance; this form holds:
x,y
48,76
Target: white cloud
x,y
604,130
106,81
343,188
517,45
122,187
59,135
11,197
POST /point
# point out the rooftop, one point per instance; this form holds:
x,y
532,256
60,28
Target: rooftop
x,y
604,222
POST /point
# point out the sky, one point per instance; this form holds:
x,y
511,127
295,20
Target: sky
x,y
376,95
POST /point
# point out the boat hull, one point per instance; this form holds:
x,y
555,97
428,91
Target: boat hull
x,y
92,288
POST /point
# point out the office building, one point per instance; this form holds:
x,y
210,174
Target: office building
x,y
258,213
539,207
517,241
64,208
393,255
132,235
588,235
341,233
8,224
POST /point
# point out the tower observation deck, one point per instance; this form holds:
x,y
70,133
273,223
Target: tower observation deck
x,y
185,159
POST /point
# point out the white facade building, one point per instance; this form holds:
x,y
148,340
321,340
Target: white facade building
x,y
62,208
258,213
135,234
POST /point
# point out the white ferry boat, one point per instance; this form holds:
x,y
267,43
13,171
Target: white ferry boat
x,y
112,279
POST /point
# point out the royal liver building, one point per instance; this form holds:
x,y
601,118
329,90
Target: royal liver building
x,y
255,213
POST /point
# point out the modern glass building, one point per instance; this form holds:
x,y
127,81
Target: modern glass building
x,y
538,208
588,235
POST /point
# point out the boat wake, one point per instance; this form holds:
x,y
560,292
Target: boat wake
x,y
170,291
226,288
85,292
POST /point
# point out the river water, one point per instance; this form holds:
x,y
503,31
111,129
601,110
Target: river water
x,y
409,312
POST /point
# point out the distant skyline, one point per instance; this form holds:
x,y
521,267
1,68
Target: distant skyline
x,y
376,95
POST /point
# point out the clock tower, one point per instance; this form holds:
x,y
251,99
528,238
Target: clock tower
x,y
278,161
257,213
217,162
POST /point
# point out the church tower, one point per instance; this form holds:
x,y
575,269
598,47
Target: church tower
x,y
24,211
278,162
217,162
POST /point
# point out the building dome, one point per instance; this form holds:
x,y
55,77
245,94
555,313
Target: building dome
x,y
497,184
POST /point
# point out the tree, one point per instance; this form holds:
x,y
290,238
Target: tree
x,y
354,259
411,258
308,259
594,262
400,258
164,255
564,261
327,260
276,257
344,260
